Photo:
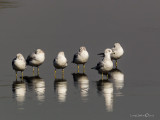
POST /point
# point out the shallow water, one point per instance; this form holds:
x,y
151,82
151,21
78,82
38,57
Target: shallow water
x,y
54,26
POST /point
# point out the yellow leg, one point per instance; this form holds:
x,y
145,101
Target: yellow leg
x,y
22,75
16,75
55,73
33,71
38,70
107,76
83,68
116,63
62,73
78,68
102,75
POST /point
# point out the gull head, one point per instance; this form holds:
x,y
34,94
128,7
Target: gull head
x,y
39,51
82,49
117,45
61,53
108,51
20,56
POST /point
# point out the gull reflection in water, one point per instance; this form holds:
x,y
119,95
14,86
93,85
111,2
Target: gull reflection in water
x,y
106,88
81,81
19,88
38,84
60,87
118,78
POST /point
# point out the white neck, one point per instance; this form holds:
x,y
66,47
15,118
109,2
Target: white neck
x,y
107,57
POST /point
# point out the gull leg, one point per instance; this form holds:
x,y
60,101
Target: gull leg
x,y
78,68
83,68
38,70
22,75
33,71
107,76
102,75
116,63
16,75
62,73
55,73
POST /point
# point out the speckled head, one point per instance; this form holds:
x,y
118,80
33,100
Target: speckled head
x,y
19,56
39,51
82,48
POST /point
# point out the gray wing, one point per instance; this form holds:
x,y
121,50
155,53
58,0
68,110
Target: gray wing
x,y
30,58
13,62
75,57
99,65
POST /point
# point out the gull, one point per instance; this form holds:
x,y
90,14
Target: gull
x,y
60,62
117,52
35,59
19,64
106,64
81,57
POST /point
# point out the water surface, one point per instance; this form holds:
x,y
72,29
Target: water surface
x,y
53,26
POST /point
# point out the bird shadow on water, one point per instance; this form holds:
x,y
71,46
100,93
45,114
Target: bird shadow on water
x,y
110,87
37,85
105,88
81,82
117,77
19,92
60,87
8,4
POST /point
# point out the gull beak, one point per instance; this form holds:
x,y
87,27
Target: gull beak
x,y
102,54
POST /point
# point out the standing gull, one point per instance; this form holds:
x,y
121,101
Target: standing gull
x,y
60,62
117,52
81,57
19,64
36,59
106,64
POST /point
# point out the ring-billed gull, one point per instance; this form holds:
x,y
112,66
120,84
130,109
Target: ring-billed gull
x,y
106,64
81,57
60,62
35,59
117,52
19,64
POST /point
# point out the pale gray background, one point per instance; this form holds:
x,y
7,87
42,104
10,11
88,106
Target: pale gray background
x,y
55,25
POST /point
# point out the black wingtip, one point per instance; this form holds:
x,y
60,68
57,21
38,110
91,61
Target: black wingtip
x,y
93,68
100,54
